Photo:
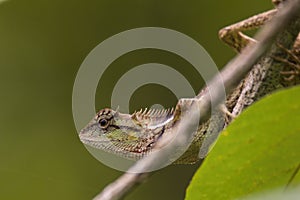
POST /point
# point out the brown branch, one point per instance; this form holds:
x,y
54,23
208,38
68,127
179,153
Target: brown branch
x,y
230,76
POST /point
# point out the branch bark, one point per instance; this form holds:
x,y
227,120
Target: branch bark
x,y
230,77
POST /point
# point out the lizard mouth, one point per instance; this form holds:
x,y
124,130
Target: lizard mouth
x,y
88,139
94,142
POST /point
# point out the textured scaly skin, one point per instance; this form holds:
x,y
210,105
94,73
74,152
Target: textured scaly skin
x,y
134,135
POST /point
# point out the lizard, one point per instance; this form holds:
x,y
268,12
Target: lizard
x,y
133,136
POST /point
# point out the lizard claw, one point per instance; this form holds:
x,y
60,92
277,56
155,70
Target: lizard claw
x,y
228,115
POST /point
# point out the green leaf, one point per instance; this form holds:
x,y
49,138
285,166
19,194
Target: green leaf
x,y
259,151
291,194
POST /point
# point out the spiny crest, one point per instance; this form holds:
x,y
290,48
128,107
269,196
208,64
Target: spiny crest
x,y
153,117
154,113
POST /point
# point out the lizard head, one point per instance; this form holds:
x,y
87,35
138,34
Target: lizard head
x,y
131,136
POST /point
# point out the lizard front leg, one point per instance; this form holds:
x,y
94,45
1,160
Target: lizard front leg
x,y
232,35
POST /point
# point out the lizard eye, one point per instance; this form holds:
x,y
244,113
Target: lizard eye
x,y
103,123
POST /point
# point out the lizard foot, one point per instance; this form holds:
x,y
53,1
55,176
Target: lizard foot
x,y
292,62
228,115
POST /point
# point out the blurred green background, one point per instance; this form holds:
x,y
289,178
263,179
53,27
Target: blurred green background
x,y
42,45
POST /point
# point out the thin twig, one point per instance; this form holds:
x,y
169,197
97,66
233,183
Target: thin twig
x,y
295,172
231,75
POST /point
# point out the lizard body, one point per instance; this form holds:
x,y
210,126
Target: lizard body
x,y
134,135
